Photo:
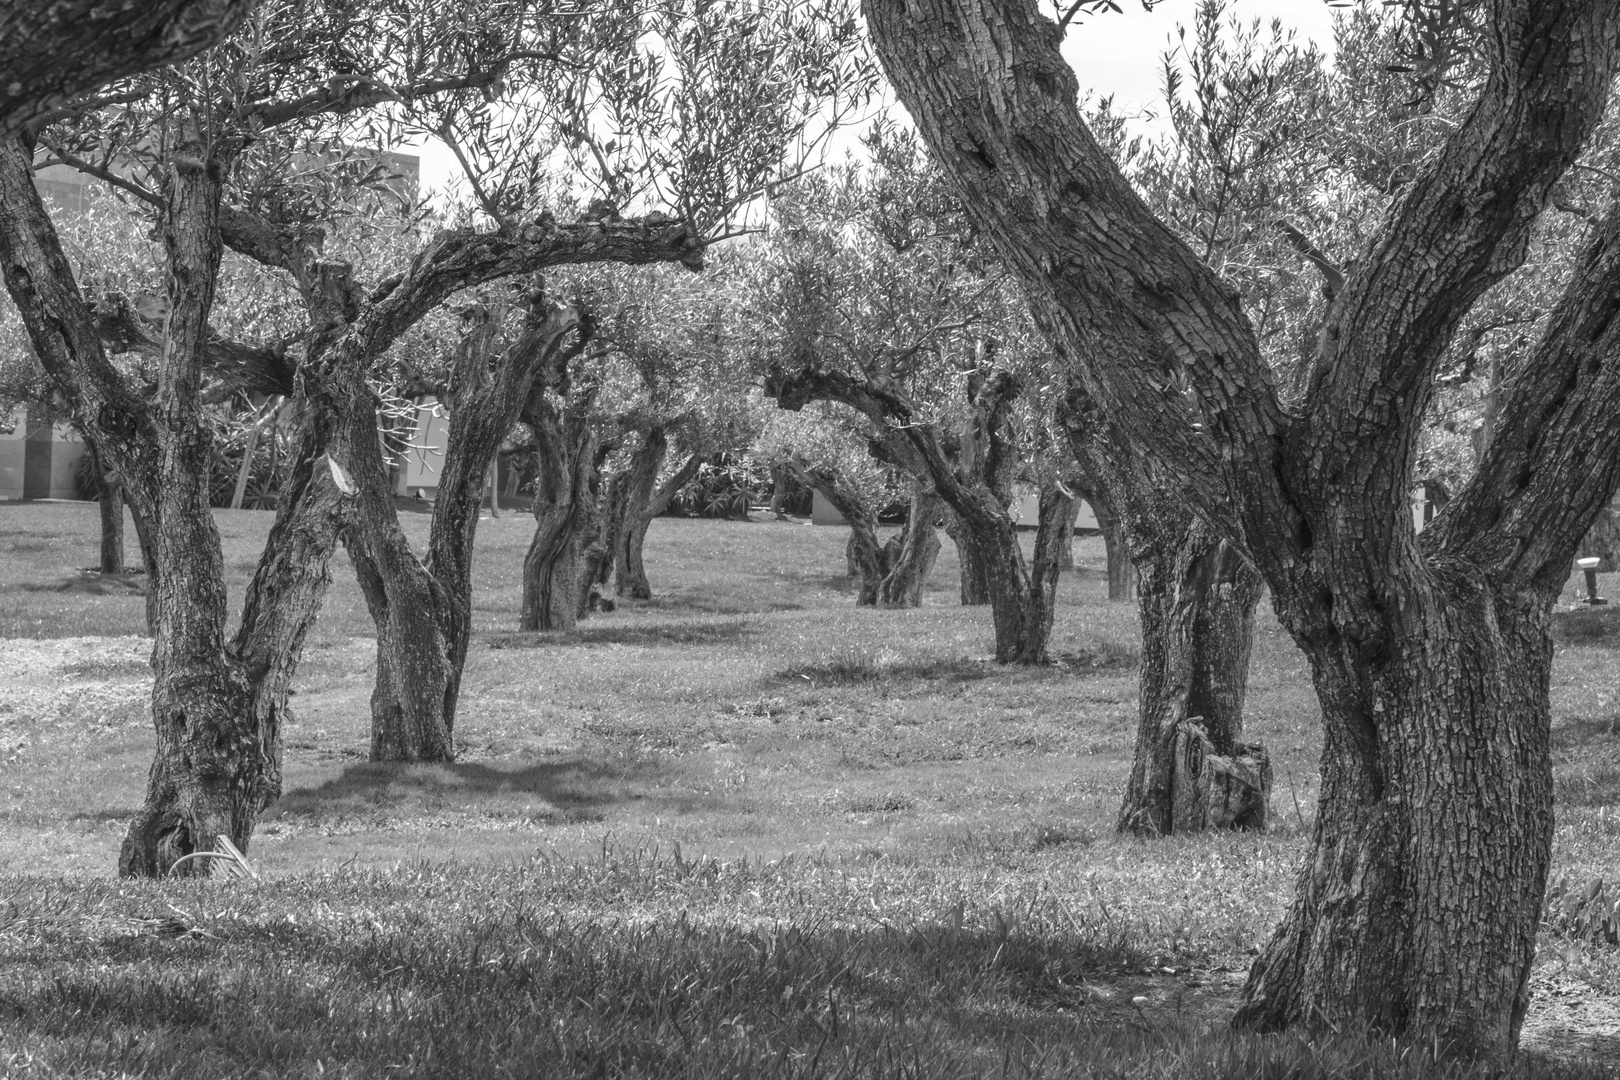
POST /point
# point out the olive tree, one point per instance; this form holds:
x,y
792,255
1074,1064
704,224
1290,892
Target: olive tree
x,y
244,149
1416,913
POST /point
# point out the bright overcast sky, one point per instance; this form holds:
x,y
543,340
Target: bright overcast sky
x,y
1114,53
1119,52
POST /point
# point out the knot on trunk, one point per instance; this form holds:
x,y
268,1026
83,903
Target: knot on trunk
x,y
1217,791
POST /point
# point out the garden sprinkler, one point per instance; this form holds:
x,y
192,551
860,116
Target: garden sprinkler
x,y
1589,566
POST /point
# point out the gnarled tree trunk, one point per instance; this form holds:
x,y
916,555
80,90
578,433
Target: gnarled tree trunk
x,y
915,552
595,552
143,536
1065,556
630,570
1416,911
1196,599
615,510
973,575
870,558
567,442
1020,596
217,706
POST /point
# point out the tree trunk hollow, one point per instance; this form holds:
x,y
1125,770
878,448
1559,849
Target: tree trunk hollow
x,y
1196,601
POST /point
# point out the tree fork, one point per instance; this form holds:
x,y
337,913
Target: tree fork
x,y
1416,914
630,569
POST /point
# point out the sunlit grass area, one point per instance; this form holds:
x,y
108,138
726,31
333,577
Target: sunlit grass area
x,y
744,829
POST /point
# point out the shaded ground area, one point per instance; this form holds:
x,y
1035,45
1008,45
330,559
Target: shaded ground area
x,y
841,811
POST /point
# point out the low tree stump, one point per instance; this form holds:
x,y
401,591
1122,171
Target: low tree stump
x,y
1215,791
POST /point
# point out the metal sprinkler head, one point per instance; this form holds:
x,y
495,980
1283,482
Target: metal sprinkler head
x,y
1589,567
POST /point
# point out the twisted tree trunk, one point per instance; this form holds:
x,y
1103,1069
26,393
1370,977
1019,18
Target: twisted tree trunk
x,y
972,573
218,705
870,558
615,510
1021,597
1117,550
1416,912
1196,600
551,570
595,552
422,608
915,552
630,569
1065,542
143,534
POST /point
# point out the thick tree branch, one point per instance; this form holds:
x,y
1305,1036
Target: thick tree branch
x,y
238,365
1463,225
461,259
51,52
272,245
1332,276
889,409
665,493
59,323
1553,463
1163,341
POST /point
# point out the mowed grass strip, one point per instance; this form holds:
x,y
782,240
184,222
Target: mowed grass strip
x,y
744,829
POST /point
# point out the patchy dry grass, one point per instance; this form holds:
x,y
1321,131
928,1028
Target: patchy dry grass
x,y
743,830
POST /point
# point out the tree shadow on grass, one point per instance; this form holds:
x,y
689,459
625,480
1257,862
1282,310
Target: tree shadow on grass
x,y
1586,762
92,582
855,666
540,987
565,790
1587,733
1592,627
673,633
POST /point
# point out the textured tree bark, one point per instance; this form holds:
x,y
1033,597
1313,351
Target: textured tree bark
x,y
615,508
143,536
1416,914
640,487
630,574
1197,602
551,569
52,52
918,548
972,574
595,554
416,617
217,707
1065,557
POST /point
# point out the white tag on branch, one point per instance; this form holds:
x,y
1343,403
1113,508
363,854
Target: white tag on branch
x,y
340,477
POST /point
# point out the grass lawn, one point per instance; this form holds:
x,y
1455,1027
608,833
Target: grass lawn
x,y
744,829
